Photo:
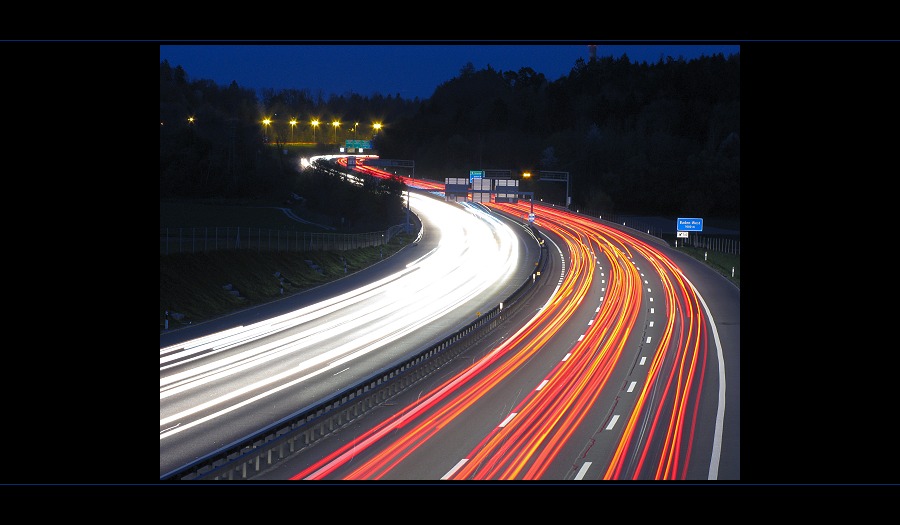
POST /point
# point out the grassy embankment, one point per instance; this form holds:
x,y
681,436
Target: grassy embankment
x,y
724,263
192,285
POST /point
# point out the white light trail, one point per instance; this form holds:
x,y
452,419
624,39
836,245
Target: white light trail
x,y
476,250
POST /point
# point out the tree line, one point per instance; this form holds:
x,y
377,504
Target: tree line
x,y
635,138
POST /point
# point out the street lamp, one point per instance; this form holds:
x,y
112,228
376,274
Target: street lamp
x,y
191,127
315,124
335,124
377,127
527,176
266,123
354,130
293,123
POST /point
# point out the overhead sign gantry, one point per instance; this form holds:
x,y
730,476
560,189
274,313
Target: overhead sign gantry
x,y
481,185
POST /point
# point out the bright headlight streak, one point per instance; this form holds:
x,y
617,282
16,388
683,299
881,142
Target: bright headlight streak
x,y
201,341
390,332
446,296
387,333
283,322
441,263
448,278
316,336
409,286
429,306
297,317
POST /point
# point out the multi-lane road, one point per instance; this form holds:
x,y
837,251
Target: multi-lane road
x,y
628,370
625,364
224,380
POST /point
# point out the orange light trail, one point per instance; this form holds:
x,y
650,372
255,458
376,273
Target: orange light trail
x,y
656,440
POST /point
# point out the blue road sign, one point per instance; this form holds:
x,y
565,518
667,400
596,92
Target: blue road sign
x,y
690,225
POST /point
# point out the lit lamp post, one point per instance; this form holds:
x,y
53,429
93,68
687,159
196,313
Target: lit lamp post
x,y
315,124
527,176
377,127
293,123
191,127
335,124
266,123
354,130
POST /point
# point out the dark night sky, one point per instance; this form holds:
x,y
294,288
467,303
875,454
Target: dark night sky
x,y
405,69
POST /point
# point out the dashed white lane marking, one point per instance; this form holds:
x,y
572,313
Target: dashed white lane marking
x,y
583,470
455,468
508,419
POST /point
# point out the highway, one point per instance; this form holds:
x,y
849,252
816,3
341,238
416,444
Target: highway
x,y
629,371
625,365
224,380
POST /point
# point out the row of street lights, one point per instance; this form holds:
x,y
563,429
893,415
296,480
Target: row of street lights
x,y
315,124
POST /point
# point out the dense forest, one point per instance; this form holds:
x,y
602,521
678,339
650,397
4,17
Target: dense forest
x,y
635,138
